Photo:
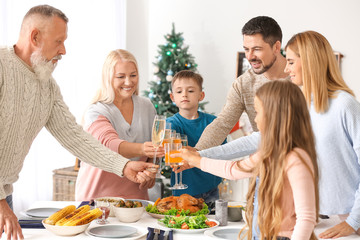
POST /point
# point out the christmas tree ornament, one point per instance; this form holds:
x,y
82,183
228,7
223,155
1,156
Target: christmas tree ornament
x,y
159,82
168,53
159,58
174,45
169,91
156,69
169,78
170,73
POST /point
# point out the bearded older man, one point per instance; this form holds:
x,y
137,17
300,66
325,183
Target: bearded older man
x,y
30,99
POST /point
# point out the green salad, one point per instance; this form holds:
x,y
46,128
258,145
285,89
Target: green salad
x,y
187,222
173,211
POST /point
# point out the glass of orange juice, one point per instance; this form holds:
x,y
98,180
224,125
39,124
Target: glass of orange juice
x,y
171,148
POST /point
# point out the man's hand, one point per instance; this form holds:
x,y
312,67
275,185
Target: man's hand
x,y
9,222
135,171
147,178
341,230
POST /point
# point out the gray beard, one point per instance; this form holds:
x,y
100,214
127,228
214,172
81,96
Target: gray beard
x,y
42,68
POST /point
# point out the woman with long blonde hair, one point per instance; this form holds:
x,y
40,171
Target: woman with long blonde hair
x,y
122,121
283,197
335,118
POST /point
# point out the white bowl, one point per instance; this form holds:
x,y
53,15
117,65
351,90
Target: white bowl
x,y
128,215
66,230
113,201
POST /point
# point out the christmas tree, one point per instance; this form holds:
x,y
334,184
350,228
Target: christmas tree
x,y
173,57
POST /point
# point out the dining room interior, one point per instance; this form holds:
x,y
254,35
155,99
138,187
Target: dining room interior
x,y
212,31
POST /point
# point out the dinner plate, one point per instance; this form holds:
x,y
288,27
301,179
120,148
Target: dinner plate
x,y
41,212
224,233
157,216
191,230
141,232
112,231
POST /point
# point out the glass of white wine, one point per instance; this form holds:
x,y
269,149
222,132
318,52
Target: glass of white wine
x,y
157,136
184,143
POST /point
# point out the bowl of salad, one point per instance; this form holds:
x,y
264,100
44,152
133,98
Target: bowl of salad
x,y
188,224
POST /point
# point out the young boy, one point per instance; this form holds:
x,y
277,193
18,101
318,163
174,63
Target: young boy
x,y
186,94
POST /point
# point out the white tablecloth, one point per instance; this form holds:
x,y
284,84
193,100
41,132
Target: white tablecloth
x,y
147,221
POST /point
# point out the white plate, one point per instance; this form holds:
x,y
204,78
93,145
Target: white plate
x,y
41,212
157,216
140,232
224,233
190,230
112,231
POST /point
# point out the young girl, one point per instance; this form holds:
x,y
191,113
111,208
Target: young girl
x,y
335,118
283,197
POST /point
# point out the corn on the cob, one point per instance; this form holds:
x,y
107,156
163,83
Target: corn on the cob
x,y
59,214
72,215
85,218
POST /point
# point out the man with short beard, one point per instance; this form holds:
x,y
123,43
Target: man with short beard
x,y
30,99
262,45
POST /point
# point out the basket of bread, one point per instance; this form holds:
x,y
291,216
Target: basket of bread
x,y
70,221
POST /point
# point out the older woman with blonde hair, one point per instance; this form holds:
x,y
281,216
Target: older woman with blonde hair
x,y
335,118
122,121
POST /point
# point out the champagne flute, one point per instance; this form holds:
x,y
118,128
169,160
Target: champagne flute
x,y
171,148
184,143
177,140
157,136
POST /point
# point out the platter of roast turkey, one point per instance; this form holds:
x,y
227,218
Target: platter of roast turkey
x,y
183,205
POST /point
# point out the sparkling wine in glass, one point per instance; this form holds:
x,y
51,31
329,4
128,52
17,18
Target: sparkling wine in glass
x,y
184,143
157,136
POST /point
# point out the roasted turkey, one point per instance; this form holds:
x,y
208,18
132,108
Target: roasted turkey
x,y
185,201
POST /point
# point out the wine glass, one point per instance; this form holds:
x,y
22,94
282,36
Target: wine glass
x,y
105,208
171,148
184,143
157,136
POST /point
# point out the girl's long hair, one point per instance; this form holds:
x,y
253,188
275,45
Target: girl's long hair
x,y
106,93
288,126
320,71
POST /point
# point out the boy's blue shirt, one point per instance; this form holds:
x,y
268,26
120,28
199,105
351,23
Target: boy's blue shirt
x,y
198,181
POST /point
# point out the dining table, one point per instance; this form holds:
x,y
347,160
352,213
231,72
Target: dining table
x,y
148,221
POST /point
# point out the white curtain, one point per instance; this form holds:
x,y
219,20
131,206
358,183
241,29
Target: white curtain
x,y
95,28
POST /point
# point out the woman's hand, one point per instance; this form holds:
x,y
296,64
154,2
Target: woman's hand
x,y
341,230
149,150
191,157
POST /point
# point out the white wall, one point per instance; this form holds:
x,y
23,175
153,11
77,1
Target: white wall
x,y
212,29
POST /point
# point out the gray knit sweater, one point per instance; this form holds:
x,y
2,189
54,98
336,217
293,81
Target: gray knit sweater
x,y
26,106
239,99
